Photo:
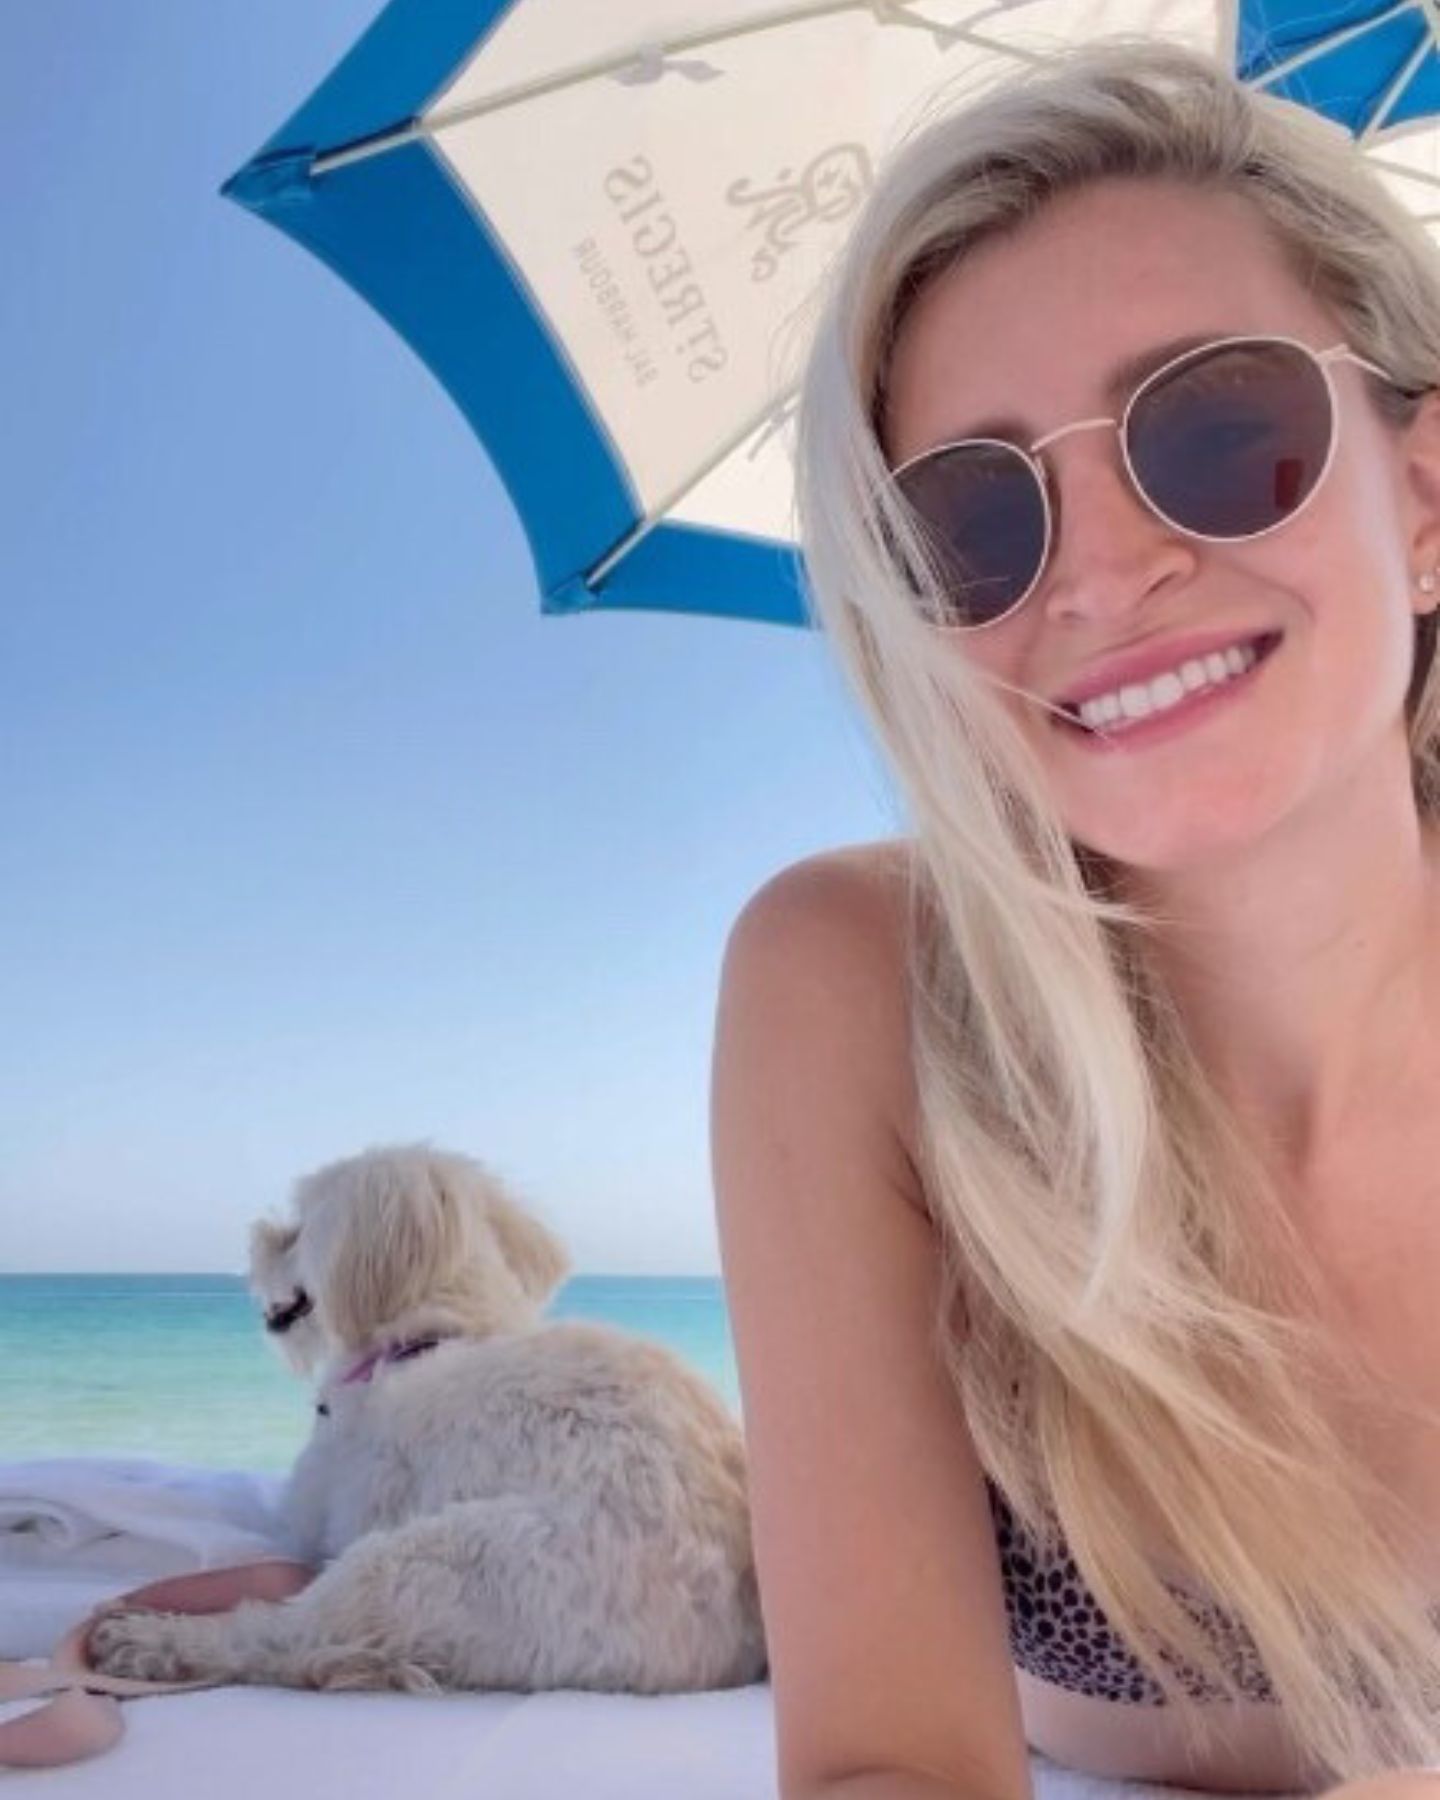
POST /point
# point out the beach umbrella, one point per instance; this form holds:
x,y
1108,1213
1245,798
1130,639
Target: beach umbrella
x,y
600,226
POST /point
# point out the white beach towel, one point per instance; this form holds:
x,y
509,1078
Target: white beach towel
x,y
134,1516
557,1746
61,1520
501,1746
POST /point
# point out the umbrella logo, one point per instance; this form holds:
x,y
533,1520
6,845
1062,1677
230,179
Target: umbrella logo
x,y
628,360
829,190
652,63
656,241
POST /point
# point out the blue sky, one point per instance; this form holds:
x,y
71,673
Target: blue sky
x,y
314,833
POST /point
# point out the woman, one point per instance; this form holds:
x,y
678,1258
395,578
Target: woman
x,y
1074,1152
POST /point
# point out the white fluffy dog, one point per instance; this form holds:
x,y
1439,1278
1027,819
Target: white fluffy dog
x,y
498,1502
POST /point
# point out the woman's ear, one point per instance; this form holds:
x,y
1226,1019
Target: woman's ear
x,y
1420,453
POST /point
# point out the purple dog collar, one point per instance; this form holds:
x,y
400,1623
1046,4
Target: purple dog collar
x,y
364,1370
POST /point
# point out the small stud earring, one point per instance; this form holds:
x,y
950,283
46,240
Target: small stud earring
x,y
1426,581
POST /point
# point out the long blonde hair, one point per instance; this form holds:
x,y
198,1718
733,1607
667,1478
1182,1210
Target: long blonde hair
x,y
1141,1357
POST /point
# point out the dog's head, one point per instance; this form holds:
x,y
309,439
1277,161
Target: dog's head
x,y
276,1282
399,1243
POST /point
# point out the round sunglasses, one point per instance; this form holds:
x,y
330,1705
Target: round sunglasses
x,y
1225,442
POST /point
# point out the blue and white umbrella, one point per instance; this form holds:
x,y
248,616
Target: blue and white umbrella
x,y
600,226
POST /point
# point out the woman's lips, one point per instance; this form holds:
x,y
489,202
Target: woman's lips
x,y
1157,727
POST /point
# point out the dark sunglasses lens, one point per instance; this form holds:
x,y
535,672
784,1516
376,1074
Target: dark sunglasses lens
x,y
981,509
1233,441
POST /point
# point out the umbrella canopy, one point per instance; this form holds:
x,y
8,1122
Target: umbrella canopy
x,y
600,227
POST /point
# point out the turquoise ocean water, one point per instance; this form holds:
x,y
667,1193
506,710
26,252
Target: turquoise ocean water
x,y
177,1366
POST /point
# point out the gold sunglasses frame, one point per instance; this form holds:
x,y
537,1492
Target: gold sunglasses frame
x,y
1029,454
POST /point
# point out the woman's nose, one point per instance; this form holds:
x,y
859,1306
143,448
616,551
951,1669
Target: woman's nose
x,y
1109,550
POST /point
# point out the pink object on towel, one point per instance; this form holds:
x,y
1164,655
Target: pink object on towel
x,y
79,1716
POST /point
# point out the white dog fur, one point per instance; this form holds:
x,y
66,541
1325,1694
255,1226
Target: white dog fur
x,y
527,1505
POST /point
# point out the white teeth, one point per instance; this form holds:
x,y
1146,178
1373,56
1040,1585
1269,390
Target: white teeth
x,y
1140,699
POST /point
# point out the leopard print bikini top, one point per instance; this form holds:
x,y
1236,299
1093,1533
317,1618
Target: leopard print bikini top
x,y
1059,1634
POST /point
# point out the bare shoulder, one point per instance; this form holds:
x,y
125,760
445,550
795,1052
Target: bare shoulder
x,y
874,1540
839,918
822,944
859,883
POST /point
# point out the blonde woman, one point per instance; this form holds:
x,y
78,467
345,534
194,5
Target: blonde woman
x,y
1077,1152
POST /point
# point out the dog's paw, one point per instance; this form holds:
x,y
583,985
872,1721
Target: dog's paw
x,y
141,1646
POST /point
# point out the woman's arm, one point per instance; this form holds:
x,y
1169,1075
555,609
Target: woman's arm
x,y
879,1572
895,1784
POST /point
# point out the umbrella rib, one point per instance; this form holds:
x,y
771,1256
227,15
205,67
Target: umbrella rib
x,y
1333,42
659,516
1375,123
1404,172
888,12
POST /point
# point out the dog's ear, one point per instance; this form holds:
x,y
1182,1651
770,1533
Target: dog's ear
x,y
399,1236
536,1256
271,1241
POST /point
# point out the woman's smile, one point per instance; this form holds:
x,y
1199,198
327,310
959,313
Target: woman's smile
x,y
1166,721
